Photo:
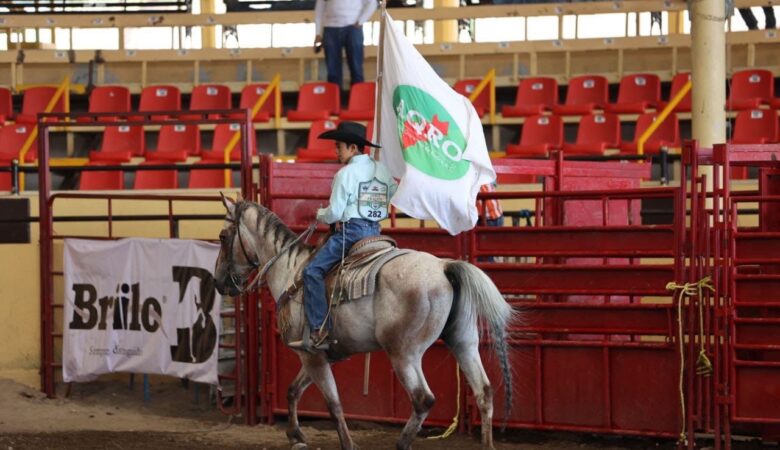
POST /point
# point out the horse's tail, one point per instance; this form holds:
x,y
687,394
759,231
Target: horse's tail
x,y
477,295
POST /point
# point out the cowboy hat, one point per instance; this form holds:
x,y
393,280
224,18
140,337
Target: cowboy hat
x,y
349,132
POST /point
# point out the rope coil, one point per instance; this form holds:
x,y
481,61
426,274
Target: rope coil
x,y
703,363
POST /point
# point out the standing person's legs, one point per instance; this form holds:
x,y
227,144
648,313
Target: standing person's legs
x,y
749,18
769,17
314,294
354,47
332,42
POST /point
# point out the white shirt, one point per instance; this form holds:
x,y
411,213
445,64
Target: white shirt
x,y
342,13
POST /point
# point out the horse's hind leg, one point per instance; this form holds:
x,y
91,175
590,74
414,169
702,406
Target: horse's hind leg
x,y
319,370
294,392
410,374
467,355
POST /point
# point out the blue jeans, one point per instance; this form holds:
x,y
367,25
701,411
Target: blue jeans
x,y
349,38
315,300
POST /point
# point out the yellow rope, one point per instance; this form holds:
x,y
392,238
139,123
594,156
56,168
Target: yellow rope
x,y
703,364
454,425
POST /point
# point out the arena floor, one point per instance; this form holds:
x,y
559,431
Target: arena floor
x,y
107,415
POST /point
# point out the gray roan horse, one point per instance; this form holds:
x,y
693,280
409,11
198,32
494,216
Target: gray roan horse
x,y
418,299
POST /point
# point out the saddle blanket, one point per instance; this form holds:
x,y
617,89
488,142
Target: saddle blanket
x,y
357,278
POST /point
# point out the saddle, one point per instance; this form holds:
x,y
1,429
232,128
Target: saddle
x,y
360,268
356,278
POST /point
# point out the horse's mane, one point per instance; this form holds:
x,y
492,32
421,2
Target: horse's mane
x,y
273,224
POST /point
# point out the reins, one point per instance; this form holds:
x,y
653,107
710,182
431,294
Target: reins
x,y
259,277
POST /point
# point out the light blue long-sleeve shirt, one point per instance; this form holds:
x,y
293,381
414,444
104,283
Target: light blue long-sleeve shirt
x,y
345,188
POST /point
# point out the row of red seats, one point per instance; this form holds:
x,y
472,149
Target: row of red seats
x,y
599,132
175,143
150,179
586,94
637,94
120,143
315,101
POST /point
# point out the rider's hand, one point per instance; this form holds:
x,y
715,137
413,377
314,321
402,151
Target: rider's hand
x,y
321,215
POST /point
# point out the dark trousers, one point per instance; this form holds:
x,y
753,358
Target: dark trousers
x,y
350,39
315,300
752,23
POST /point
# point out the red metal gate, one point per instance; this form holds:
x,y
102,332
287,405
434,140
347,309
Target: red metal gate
x,y
581,280
737,240
237,316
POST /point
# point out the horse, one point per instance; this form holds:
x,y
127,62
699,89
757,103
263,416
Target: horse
x,y
418,299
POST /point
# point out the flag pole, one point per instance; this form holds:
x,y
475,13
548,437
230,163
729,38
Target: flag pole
x,y
379,77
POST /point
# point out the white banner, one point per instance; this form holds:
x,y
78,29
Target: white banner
x,y
140,305
432,139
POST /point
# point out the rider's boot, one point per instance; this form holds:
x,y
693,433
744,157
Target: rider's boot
x,y
312,341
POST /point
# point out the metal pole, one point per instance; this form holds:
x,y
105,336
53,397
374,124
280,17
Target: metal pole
x,y
708,74
15,177
708,117
380,63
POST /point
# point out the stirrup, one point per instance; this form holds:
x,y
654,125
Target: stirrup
x,y
306,344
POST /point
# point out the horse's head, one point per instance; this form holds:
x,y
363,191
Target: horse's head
x,y
238,250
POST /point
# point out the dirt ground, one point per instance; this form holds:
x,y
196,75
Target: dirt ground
x,y
108,415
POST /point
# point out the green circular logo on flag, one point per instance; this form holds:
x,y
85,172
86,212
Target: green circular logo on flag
x,y
430,140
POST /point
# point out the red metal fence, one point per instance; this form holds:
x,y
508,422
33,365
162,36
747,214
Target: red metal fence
x,y
605,346
577,274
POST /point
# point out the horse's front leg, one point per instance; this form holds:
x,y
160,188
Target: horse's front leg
x,y
294,393
319,370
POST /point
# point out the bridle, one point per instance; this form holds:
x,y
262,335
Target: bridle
x,y
259,278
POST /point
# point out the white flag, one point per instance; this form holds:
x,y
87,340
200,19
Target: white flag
x,y
431,138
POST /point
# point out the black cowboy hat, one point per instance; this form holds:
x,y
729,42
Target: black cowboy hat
x,y
349,132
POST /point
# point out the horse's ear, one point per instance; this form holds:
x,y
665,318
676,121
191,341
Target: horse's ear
x,y
230,205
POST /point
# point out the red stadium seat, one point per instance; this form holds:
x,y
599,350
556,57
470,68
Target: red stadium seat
x,y
207,178
667,135
160,98
223,133
534,96
12,139
595,134
109,99
757,126
636,94
750,89
316,101
318,150
155,179
539,135
175,143
466,87
362,98
249,96
678,82
120,144
6,105
585,94
35,101
210,96
101,180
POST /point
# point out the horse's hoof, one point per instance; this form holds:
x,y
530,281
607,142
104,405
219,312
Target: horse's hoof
x,y
300,446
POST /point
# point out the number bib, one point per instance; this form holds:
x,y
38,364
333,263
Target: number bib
x,y
372,200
